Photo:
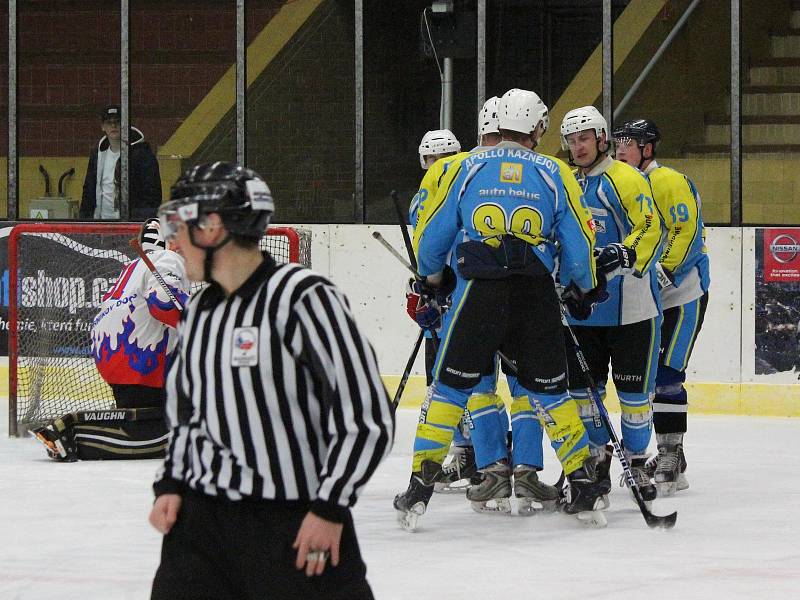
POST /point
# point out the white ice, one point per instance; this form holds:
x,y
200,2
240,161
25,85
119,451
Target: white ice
x,y
80,530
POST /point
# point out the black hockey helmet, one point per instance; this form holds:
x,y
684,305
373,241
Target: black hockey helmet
x,y
238,194
644,131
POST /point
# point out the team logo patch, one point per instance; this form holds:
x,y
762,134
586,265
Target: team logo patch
x,y
244,352
511,172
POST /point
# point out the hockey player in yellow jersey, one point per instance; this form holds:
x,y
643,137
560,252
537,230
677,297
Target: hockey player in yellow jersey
x,y
436,149
422,206
625,330
684,282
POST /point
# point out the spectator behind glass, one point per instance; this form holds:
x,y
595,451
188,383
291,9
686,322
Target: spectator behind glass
x,y
101,198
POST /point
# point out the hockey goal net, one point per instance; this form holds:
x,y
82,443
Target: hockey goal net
x,y
58,274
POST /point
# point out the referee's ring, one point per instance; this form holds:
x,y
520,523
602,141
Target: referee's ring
x,y
317,556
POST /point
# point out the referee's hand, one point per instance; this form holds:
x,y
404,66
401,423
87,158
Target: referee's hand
x,y
316,540
165,512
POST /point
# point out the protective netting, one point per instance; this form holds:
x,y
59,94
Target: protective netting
x,y
59,274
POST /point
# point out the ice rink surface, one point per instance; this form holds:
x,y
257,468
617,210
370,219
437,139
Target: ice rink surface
x,y
80,531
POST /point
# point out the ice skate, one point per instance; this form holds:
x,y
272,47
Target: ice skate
x,y
493,493
457,473
669,470
533,495
603,457
58,445
638,466
412,504
584,496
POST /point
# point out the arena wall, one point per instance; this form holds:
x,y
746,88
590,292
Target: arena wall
x,y
722,371
723,375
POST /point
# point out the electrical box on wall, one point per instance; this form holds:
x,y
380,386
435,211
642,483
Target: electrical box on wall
x,y
450,28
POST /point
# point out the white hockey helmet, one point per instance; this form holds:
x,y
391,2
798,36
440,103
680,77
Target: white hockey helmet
x,y
521,111
438,141
581,119
487,118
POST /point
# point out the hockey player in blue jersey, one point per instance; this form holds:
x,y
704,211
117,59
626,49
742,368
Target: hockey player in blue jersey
x,y
684,294
486,413
505,209
624,330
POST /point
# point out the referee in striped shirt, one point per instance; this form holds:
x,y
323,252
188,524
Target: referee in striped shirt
x,y
277,411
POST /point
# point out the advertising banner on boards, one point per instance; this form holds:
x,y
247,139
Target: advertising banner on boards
x,y
777,300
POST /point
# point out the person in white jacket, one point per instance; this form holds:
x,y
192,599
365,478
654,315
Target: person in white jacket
x,y
133,337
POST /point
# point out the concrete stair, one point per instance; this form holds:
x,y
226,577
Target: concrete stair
x,y
770,129
770,102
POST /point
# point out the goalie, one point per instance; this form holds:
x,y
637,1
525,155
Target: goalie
x,y
133,336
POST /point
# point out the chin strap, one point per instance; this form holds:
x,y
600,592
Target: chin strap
x,y
641,162
208,262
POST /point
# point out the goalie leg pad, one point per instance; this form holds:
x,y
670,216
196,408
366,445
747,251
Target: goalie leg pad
x,y
132,440
121,434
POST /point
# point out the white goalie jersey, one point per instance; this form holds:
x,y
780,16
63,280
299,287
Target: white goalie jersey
x,y
134,333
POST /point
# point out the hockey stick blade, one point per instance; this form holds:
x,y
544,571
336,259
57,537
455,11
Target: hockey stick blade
x,y
656,522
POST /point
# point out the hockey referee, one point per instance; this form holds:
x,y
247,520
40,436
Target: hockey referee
x,y
277,412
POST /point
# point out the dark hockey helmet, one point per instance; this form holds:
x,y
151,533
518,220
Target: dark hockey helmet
x,y
238,194
642,130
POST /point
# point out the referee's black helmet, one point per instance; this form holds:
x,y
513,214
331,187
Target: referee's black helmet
x,y
238,194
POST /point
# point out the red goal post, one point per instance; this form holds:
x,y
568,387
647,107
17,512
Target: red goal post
x,y
57,274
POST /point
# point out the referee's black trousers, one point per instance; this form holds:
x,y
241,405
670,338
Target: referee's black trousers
x,y
224,550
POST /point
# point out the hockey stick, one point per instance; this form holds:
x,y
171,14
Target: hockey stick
x,y
403,261
407,372
665,522
134,243
409,365
401,218
412,258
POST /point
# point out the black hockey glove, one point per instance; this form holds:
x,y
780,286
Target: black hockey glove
x,y
579,304
616,259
